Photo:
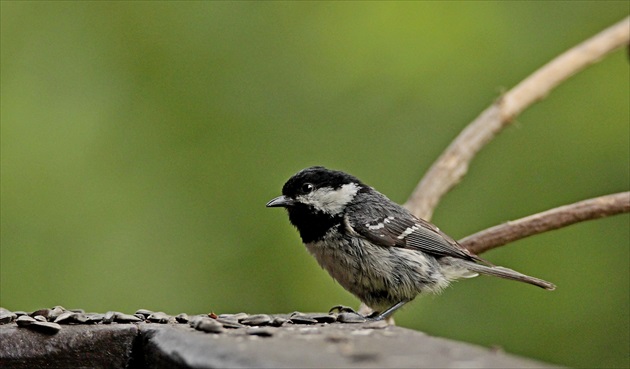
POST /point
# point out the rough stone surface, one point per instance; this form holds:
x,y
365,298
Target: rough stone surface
x,y
287,345
323,346
88,346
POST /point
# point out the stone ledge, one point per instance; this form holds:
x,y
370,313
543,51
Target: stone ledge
x,y
93,346
335,345
324,346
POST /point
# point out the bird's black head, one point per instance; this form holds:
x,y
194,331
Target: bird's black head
x,y
315,198
324,190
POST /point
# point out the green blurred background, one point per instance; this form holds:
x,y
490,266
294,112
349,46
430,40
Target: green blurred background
x,y
141,141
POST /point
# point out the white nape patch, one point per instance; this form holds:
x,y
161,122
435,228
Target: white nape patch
x,y
408,231
379,225
329,200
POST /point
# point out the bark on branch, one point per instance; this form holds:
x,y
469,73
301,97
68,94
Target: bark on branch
x,y
559,217
453,164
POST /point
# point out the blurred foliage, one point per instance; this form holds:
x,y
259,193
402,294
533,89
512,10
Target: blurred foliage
x,y
141,141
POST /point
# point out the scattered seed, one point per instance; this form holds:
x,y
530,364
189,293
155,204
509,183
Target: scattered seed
x,y
237,316
323,318
94,318
42,312
25,320
182,318
208,325
55,312
45,327
109,316
126,318
302,319
6,316
278,321
258,319
229,323
64,318
195,320
143,312
159,317
350,318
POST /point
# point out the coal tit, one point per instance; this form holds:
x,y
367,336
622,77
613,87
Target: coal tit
x,y
373,247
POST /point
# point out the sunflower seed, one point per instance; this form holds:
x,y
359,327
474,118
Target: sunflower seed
x,y
25,321
42,312
93,318
45,327
6,316
323,318
182,318
237,316
159,317
230,323
278,321
144,312
302,319
208,325
64,318
350,318
126,318
55,312
109,316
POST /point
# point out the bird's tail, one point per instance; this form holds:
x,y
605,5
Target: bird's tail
x,y
500,272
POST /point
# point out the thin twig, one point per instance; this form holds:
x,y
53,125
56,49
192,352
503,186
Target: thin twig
x,y
559,217
453,164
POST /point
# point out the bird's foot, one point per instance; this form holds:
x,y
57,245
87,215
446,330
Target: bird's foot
x,y
374,317
349,315
342,309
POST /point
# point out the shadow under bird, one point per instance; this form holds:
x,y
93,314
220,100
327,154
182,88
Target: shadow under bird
x,y
373,247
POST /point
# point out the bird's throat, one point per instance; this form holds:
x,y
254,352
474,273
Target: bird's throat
x,y
312,224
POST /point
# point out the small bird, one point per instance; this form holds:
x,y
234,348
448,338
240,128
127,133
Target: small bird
x,y
376,249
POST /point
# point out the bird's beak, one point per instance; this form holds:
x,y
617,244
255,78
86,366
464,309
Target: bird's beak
x,y
280,201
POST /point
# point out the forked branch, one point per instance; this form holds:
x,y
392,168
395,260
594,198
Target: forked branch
x,y
453,164
562,216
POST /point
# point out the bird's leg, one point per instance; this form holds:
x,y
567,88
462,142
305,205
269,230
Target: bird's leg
x,y
376,316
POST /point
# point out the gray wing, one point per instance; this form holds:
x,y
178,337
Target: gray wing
x,y
400,229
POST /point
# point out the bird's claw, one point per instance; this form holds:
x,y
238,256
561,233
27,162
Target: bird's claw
x,y
342,309
374,317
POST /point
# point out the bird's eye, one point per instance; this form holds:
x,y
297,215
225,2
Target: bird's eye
x,y
307,188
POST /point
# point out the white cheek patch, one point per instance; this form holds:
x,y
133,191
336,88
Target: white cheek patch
x,y
329,200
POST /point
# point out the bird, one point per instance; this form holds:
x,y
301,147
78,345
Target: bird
x,y
375,248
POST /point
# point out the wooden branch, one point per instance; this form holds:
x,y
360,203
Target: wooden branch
x,y
453,164
562,216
